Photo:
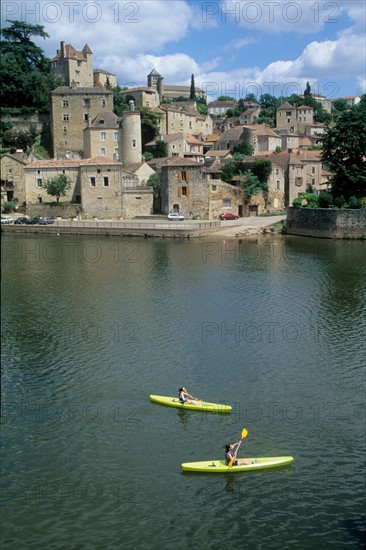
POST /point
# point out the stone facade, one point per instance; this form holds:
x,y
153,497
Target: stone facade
x,y
100,76
101,138
73,66
108,191
184,121
36,173
294,119
325,223
184,188
12,169
71,109
224,197
143,96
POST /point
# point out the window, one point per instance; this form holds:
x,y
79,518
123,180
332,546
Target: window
x,y
39,182
115,136
86,117
116,152
106,181
278,184
183,191
288,113
102,151
226,203
103,103
86,102
183,175
134,144
103,136
65,103
214,187
65,129
92,181
98,170
65,117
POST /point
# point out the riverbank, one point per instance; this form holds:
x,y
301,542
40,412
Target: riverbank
x,y
188,229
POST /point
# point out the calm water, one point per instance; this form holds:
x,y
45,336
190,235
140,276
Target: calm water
x,y
92,326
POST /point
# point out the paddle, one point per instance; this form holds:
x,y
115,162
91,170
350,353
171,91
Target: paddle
x,y
244,433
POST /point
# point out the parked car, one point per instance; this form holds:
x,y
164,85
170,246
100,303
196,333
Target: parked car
x,y
228,216
32,221
175,216
47,220
6,219
21,220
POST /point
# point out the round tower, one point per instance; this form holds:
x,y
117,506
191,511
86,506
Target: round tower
x,y
130,136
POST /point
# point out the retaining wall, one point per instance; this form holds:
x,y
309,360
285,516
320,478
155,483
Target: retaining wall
x,y
326,223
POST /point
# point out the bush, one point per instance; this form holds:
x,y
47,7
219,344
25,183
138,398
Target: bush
x,y
340,201
354,202
9,206
297,203
325,199
311,198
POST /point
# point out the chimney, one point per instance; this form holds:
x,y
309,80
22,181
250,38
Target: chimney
x,y
62,47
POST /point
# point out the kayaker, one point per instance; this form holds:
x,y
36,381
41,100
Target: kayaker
x,y
230,454
185,397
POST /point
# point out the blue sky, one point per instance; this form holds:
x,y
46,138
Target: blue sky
x,y
231,47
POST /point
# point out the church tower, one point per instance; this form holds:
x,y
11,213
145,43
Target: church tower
x,y
130,148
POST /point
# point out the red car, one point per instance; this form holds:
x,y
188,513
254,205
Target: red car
x,y
228,216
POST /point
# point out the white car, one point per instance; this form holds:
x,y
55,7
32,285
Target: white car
x,y
6,219
175,216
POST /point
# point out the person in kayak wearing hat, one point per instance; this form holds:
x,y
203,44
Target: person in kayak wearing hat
x,y
230,454
185,397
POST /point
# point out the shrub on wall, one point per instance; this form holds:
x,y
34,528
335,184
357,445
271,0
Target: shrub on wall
x,y
325,200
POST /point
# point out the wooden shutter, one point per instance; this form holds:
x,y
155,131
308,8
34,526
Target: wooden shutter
x,y
179,175
179,191
187,176
187,191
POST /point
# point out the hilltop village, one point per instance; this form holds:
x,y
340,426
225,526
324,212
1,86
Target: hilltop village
x,y
102,156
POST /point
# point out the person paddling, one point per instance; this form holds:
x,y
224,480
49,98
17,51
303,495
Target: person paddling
x,y
185,397
231,450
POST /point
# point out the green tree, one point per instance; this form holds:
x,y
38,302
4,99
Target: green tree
x,y
192,93
262,168
26,78
251,185
344,148
161,149
150,127
120,104
234,167
154,181
57,186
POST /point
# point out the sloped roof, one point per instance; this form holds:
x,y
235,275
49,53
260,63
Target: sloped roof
x,y
72,53
287,106
106,119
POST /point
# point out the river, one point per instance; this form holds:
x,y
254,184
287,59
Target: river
x,y
92,326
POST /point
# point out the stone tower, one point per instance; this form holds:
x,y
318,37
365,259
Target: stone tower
x,y
73,66
130,148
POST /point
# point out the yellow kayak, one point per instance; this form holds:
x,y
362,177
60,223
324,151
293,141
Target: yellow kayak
x,y
202,406
220,466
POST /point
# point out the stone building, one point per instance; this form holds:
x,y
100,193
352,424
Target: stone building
x,y
143,96
184,188
101,137
37,173
103,187
109,191
224,197
71,109
105,78
301,168
12,168
294,119
130,144
73,66
180,145
184,121
170,91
